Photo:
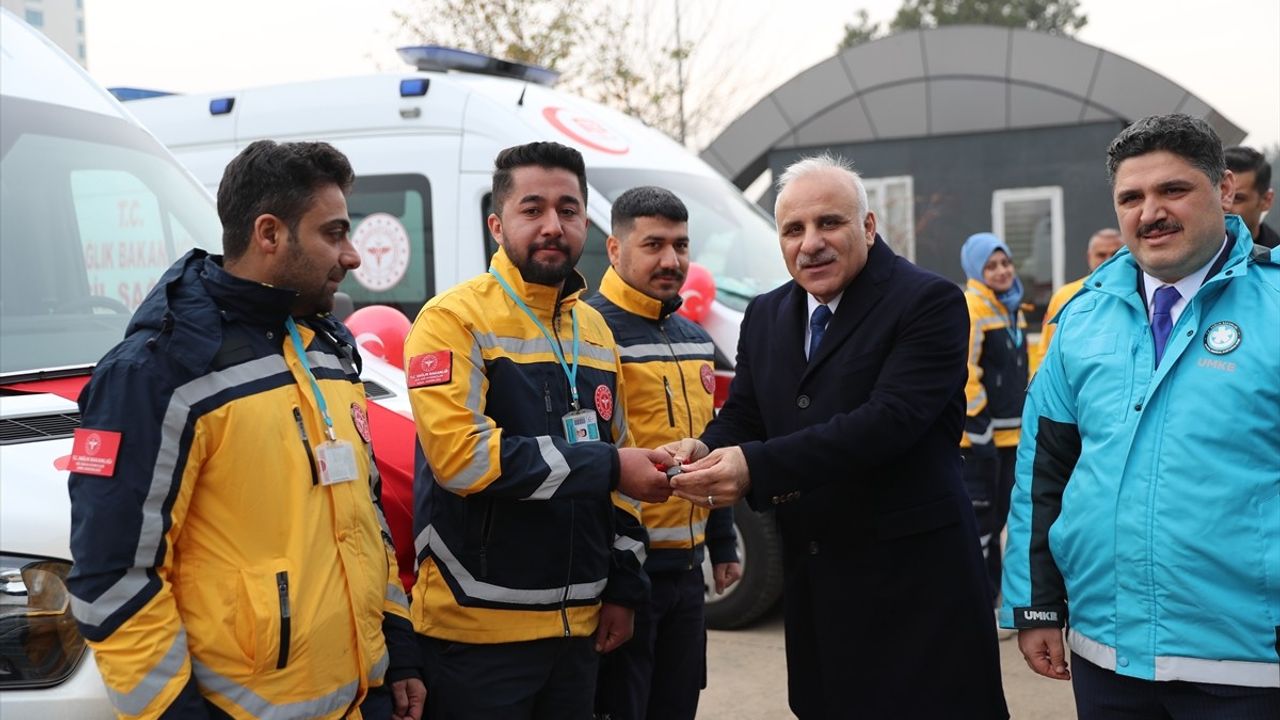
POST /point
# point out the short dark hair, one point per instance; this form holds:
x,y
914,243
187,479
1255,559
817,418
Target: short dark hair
x,y
645,201
1246,159
1189,138
548,155
278,179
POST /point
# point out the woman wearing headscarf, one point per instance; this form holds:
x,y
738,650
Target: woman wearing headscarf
x,y
995,390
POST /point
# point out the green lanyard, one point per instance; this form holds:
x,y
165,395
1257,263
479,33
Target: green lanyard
x,y
570,371
315,386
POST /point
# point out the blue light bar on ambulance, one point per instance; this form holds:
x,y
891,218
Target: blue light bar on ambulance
x,y
125,94
221,106
436,57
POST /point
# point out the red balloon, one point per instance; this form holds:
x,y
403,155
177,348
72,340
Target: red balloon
x,y
380,331
698,291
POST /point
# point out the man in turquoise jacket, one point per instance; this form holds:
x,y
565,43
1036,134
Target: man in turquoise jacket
x,y
1146,515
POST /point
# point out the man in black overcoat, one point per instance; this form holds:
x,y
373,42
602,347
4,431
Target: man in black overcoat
x,y
845,418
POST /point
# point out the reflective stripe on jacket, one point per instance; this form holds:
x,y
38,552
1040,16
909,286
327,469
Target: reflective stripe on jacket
x,y
1148,497
997,371
212,556
668,364
518,531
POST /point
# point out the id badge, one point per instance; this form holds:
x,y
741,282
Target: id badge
x,y
581,426
337,460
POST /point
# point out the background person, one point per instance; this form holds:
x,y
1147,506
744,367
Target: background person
x,y
995,389
667,364
1148,494
220,570
843,415
529,557
1102,246
1253,194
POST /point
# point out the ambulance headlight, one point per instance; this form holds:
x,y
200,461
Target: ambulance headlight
x,y
39,643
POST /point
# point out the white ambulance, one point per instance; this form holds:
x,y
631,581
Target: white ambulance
x,y
92,210
422,143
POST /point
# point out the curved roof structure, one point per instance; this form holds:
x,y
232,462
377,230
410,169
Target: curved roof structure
x,y
956,79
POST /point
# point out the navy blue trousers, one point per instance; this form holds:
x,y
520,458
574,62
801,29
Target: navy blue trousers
x,y
660,672
552,679
1103,695
989,481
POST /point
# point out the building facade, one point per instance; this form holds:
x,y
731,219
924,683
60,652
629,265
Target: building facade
x,y
962,129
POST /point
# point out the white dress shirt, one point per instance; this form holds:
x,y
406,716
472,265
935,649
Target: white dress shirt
x,y
1187,287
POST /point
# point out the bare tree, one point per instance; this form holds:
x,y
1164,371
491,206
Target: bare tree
x,y
642,57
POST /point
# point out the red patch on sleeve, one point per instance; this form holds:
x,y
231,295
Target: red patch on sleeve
x,y
604,403
435,368
93,452
361,420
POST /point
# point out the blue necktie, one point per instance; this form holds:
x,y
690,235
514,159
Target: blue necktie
x,y
818,326
1161,320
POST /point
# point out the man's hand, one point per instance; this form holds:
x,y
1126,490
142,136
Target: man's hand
x,y
716,480
409,697
639,477
1044,652
616,625
726,574
686,450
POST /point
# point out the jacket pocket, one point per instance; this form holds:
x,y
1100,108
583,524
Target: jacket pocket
x,y
1101,344
264,617
1269,529
918,519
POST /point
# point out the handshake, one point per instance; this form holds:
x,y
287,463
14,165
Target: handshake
x,y
710,479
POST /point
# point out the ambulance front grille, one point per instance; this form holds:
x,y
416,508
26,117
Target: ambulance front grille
x,y
38,427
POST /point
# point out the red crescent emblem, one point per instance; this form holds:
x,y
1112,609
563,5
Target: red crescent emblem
x,y
604,402
708,378
361,421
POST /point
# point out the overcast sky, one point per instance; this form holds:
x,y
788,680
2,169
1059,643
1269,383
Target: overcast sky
x,y
1226,52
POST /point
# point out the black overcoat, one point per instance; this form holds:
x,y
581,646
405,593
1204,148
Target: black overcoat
x,y
888,614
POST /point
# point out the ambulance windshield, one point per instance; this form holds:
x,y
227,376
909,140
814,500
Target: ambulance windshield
x,y
94,211
734,239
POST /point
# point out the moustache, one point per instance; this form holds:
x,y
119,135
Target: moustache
x,y
804,261
1160,226
554,244
675,275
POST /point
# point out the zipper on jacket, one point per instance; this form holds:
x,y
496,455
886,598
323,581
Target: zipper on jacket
x,y
282,586
306,445
671,413
684,389
692,546
546,401
486,530
568,575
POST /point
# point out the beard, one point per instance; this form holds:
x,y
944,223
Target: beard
x,y
546,273
314,295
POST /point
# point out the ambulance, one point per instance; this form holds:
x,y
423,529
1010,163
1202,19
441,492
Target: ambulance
x,y
92,210
422,143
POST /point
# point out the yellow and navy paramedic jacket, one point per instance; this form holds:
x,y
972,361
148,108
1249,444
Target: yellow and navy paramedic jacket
x,y
667,364
1057,301
997,381
210,563
520,534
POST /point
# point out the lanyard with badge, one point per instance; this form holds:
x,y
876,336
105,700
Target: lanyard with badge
x,y
1011,327
580,425
336,457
